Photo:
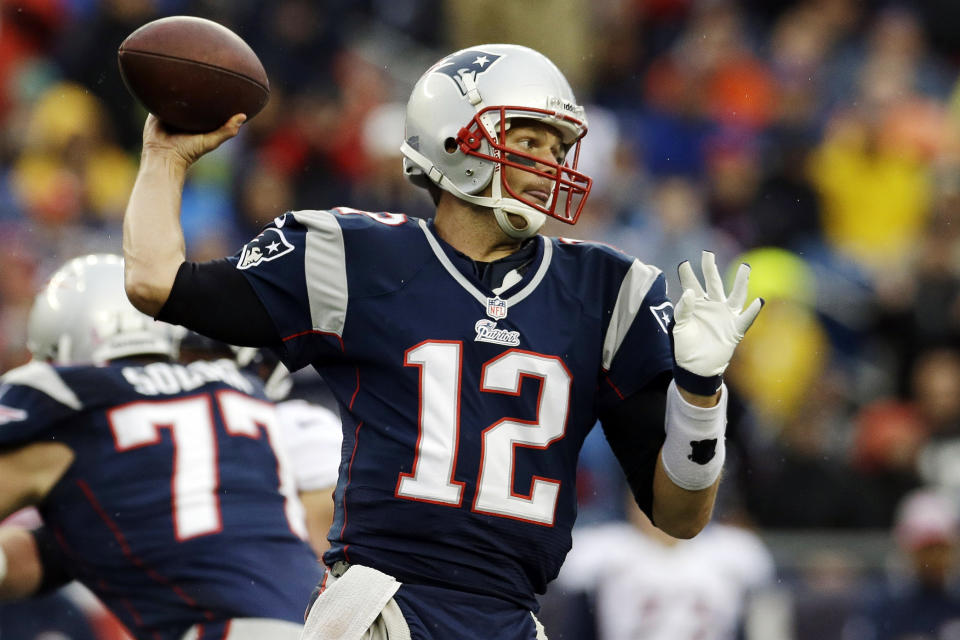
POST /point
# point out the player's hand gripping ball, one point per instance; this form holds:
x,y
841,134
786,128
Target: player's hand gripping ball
x,y
192,73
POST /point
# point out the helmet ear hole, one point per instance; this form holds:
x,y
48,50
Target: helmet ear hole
x,y
450,145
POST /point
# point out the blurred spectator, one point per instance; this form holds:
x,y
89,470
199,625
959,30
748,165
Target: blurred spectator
x,y
788,351
826,595
785,211
568,41
917,307
382,187
935,384
920,600
806,463
672,228
876,199
888,437
87,54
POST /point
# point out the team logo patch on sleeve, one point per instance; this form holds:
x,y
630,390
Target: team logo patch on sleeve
x,y
269,245
663,312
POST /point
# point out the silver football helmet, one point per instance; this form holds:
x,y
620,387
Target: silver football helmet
x,y
458,114
83,316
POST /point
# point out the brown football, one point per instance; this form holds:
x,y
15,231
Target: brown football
x,y
192,73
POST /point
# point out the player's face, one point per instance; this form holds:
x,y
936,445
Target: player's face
x,y
540,140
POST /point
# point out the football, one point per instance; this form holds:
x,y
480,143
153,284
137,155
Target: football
x,y
192,73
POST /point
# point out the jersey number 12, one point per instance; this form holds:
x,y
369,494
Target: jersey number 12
x,y
432,476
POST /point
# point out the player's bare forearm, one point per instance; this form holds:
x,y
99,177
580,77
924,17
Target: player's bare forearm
x,y
24,570
680,512
318,506
29,473
699,400
153,245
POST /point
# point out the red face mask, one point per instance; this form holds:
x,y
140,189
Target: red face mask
x,y
570,188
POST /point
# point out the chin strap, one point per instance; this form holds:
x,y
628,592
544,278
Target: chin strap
x,y
501,206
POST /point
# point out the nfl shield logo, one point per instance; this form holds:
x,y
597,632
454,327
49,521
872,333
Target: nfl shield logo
x,y
497,308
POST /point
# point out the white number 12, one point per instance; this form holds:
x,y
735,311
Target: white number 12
x,y
431,478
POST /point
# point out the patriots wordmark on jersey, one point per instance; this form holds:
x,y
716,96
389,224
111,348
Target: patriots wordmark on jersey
x,y
178,509
463,409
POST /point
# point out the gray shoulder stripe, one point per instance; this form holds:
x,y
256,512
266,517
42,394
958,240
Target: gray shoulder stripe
x,y
43,377
326,270
634,288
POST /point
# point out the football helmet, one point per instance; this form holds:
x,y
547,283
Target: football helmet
x,y
83,316
456,120
265,364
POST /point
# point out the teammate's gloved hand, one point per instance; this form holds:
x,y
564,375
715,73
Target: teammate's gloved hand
x,y
707,325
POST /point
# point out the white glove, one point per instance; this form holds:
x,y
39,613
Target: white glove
x,y
708,326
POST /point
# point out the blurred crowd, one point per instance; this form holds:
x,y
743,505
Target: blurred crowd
x,y
817,140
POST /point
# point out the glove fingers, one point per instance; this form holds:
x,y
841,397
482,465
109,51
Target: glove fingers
x,y
688,281
711,276
745,319
738,295
684,308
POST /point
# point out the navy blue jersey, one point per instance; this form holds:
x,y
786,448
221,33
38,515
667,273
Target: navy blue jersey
x,y
463,409
177,509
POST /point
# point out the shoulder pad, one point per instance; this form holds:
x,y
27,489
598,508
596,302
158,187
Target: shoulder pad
x,y
44,378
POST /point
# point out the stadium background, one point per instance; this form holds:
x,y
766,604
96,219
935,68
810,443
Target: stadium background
x,y
818,140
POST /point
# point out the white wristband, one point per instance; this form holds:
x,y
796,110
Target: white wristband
x,y
694,450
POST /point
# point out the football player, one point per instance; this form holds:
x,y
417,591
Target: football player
x,y
645,585
470,355
162,486
311,432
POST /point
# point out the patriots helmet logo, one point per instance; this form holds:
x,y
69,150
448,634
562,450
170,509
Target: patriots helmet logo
x,y
466,64
269,245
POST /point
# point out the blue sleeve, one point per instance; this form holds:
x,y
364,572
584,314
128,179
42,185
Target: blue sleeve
x,y
282,266
644,352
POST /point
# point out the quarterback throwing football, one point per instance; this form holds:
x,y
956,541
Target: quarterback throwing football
x,y
469,354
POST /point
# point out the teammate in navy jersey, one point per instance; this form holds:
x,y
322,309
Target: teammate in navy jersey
x,y
163,487
470,356
311,432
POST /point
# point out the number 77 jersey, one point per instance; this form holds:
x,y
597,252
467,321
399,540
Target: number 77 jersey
x,y
178,508
464,409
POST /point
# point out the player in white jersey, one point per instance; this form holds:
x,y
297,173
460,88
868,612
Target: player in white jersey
x,y
645,585
308,428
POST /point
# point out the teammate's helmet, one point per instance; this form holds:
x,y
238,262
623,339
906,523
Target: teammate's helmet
x,y
454,136
266,364
83,316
